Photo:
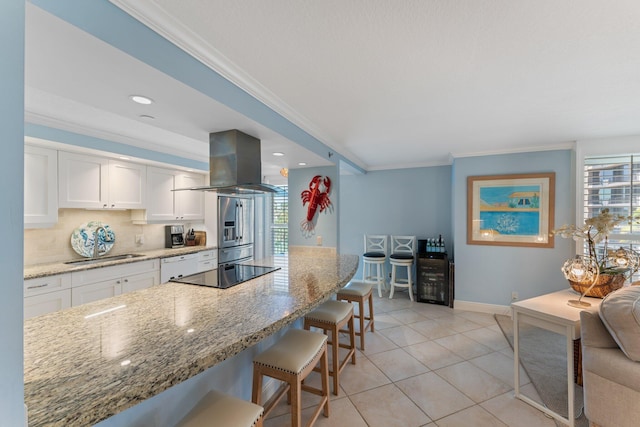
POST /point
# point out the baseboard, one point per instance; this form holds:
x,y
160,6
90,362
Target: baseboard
x,y
479,307
269,388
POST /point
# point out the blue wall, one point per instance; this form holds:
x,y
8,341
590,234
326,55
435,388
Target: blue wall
x,y
326,223
11,210
488,274
402,201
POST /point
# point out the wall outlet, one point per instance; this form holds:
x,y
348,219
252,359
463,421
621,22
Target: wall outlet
x,y
514,296
140,239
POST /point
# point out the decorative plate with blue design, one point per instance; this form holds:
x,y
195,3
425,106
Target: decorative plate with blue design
x,y
82,238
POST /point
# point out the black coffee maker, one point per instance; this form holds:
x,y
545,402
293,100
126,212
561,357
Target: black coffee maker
x,y
173,236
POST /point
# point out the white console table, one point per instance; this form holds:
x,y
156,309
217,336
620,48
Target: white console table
x,y
552,313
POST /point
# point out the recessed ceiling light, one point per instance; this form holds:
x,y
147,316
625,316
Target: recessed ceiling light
x,y
302,163
124,158
141,99
278,154
147,117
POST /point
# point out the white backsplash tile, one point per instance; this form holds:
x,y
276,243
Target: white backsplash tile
x,y
53,244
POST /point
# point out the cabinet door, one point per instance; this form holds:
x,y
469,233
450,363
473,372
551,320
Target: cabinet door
x,y
161,200
95,291
127,185
40,187
83,181
46,303
140,281
189,204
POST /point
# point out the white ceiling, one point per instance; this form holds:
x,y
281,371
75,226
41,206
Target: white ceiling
x,y
385,83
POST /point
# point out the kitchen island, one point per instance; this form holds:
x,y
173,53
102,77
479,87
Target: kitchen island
x,y
85,364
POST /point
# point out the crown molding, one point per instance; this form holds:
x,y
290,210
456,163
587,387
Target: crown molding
x,y
552,147
159,20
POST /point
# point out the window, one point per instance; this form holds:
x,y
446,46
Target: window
x,y
280,226
613,182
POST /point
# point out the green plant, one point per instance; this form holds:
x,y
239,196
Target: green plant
x,y
595,230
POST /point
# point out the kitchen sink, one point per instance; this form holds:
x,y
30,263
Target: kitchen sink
x,y
103,259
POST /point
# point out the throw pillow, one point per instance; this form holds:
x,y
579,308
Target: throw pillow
x,y
620,313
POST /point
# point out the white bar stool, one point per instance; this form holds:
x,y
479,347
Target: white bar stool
x,y
216,409
375,255
403,250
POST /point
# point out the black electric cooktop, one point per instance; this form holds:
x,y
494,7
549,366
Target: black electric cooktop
x,y
226,276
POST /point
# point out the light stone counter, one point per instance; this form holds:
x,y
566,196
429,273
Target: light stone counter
x,y
81,367
42,270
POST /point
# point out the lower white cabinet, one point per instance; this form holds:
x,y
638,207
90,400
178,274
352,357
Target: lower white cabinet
x,y
105,282
178,266
46,294
207,260
49,302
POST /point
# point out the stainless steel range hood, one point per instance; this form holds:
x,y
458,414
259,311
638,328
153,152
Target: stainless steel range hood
x,y
235,164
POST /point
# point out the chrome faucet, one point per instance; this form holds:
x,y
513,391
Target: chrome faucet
x,y
96,238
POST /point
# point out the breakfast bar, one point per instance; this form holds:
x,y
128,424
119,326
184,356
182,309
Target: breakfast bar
x,y
85,364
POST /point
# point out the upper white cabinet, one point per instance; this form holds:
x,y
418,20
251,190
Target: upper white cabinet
x,y
40,187
164,204
92,182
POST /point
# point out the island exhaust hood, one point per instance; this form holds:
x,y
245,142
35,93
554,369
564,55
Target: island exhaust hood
x,y
235,165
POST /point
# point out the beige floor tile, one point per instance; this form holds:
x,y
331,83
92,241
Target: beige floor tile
x,y
407,316
500,366
432,311
463,346
375,342
474,416
516,413
398,364
404,335
458,323
473,381
433,355
388,406
488,337
484,319
384,321
436,397
342,413
362,376
432,329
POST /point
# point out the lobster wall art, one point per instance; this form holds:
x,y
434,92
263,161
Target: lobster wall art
x,y
317,196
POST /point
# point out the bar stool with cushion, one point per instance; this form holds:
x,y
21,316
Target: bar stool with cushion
x,y
216,409
403,250
375,255
359,293
291,360
333,316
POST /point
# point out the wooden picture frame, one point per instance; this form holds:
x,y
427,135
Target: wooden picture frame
x,y
511,210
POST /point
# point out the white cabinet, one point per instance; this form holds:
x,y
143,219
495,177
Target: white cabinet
x,y
46,303
164,204
92,182
46,294
105,282
178,266
207,260
40,187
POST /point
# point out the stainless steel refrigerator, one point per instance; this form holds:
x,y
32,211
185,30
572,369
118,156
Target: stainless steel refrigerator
x,y
235,229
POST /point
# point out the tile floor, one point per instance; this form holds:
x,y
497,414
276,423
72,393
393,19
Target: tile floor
x,y
426,365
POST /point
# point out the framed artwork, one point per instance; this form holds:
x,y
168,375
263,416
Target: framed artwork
x,y
511,210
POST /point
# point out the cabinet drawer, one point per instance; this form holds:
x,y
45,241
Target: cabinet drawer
x,y
207,265
208,255
79,278
46,284
46,303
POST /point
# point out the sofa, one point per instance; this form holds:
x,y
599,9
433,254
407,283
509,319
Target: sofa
x,y
610,339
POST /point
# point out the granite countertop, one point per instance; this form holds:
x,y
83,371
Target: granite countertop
x,y
43,270
81,367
